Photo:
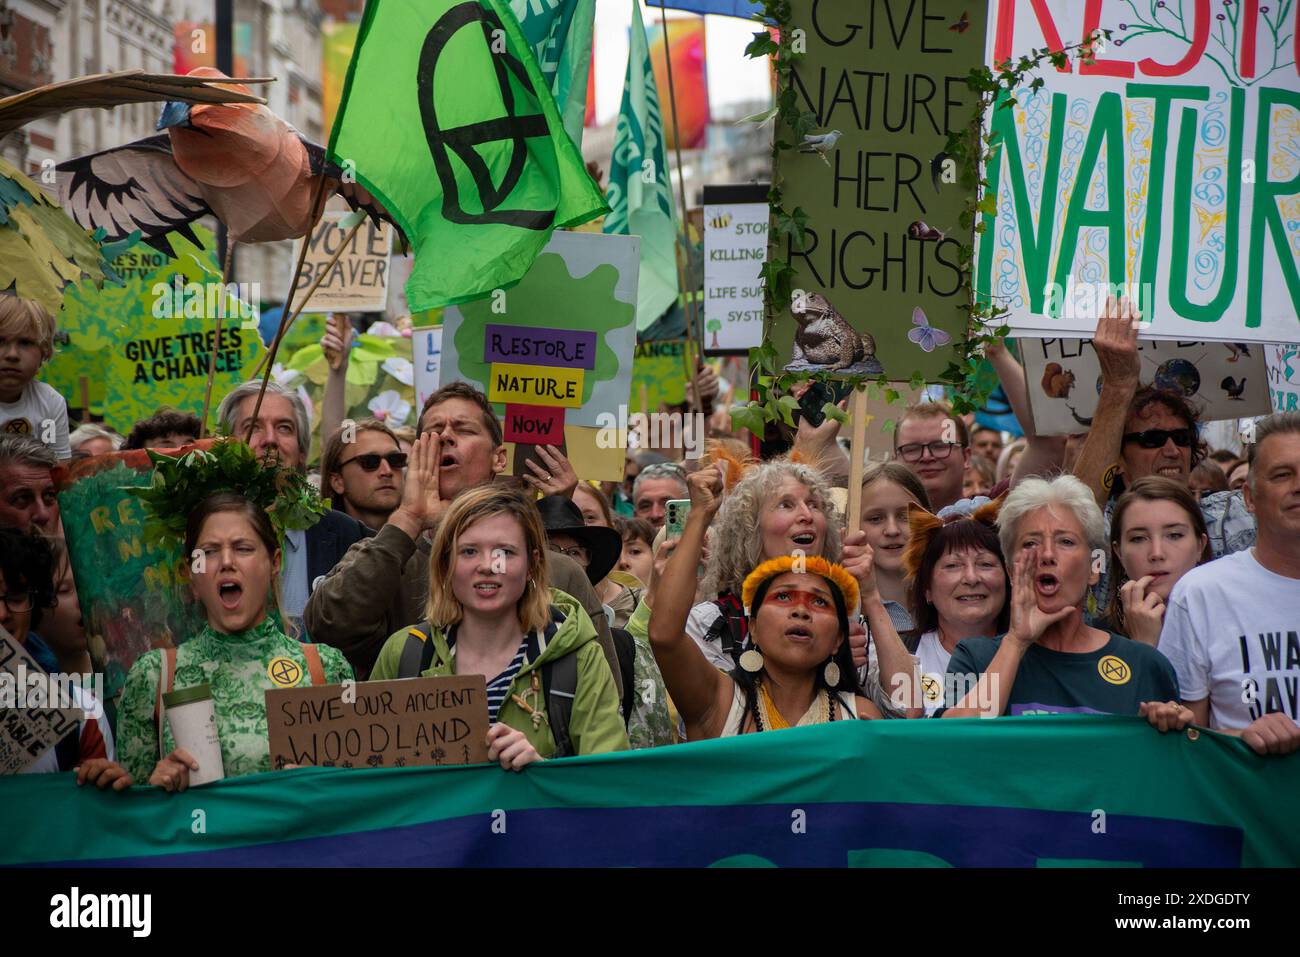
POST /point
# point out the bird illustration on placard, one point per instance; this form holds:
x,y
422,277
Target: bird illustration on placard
x,y
962,24
925,335
1232,387
820,143
1238,349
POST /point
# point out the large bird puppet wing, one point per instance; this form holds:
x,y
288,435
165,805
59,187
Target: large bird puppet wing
x,y
115,89
130,188
140,187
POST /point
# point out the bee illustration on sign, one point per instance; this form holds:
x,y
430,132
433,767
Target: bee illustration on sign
x,y
721,221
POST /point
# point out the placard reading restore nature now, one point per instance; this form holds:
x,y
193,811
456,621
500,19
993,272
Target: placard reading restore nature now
x,y
878,286
380,724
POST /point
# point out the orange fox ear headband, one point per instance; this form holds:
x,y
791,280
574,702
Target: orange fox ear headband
x,y
922,525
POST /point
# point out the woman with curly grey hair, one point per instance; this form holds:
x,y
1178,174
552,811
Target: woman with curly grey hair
x,y
778,508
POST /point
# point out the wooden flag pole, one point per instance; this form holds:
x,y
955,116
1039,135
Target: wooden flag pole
x,y
688,280
226,271
285,319
857,455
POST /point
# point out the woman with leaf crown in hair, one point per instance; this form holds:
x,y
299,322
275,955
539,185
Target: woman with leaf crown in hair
x,y
798,669
232,560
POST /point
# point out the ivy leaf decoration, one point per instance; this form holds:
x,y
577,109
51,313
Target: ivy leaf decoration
x,y
180,484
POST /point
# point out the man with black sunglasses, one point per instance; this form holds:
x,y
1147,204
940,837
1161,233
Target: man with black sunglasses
x,y
362,469
1142,430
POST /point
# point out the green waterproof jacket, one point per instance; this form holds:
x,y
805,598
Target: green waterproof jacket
x,y
596,724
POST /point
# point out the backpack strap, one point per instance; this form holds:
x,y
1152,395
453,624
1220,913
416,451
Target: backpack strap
x,y
314,666
417,653
625,648
166,680
560,685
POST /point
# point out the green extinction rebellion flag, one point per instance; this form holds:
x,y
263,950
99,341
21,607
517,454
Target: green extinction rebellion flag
x,y
448,121
640,193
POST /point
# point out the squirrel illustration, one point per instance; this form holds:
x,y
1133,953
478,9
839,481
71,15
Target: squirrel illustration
x,y
825,338
1057,382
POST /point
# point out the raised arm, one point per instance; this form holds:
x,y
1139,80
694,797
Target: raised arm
x,y
701,693
897,692
1117,352
988,699
335,344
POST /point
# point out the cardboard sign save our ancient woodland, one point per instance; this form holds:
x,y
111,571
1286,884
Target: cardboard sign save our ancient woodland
x,y
1225,380
878,288
380,724
554,352
27,732
358,281
131,594
157,348
735,248
1169,167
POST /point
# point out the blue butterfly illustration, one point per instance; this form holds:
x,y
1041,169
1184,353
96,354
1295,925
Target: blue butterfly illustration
x,y
925,335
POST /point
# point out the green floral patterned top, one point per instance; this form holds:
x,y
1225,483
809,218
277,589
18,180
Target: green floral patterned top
x,y
239,668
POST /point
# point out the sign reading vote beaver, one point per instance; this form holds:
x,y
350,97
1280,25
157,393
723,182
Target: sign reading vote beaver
x,y
380,724
878,283
358,281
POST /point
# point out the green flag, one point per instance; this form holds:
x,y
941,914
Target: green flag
x,y
447,119
640,193
560,33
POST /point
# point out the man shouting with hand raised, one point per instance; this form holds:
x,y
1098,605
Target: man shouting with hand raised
x,y
381,584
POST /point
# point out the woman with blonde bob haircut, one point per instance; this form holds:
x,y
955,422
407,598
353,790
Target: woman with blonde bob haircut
x,y
491,611
1049,660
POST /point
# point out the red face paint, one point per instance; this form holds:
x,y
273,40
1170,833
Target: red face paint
x,y
811,602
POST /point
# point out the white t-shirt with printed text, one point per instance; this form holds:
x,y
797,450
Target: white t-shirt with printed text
x,y
1232,633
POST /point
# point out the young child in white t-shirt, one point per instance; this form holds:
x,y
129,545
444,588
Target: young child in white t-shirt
x,y
28,407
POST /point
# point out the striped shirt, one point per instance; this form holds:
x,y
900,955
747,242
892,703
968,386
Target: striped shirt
x,y
499,687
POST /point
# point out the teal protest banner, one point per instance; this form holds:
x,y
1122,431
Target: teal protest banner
x,y
1062,790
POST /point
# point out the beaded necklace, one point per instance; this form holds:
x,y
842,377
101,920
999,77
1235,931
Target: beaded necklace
x,y
768,718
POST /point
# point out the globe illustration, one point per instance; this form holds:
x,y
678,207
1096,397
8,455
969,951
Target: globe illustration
x,y
1178,375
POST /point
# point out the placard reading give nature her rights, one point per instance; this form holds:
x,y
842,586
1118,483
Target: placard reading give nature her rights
x,y
1169,167
878,287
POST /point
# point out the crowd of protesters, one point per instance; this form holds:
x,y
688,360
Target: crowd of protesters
x,y
1130,570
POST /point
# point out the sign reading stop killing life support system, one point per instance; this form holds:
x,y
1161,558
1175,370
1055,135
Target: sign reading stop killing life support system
x,y
735,249
358,281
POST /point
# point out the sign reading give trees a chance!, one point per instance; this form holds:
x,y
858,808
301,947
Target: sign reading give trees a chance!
x,y
878,285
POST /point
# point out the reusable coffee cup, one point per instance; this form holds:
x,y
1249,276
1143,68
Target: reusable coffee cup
x,y
193,720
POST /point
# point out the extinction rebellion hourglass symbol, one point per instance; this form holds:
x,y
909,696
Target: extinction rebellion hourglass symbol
x,y
462,140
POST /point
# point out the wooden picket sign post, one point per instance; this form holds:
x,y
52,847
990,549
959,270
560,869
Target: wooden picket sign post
x,y
857,451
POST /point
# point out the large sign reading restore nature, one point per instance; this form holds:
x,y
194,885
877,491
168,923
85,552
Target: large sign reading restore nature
x,y
1168,166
